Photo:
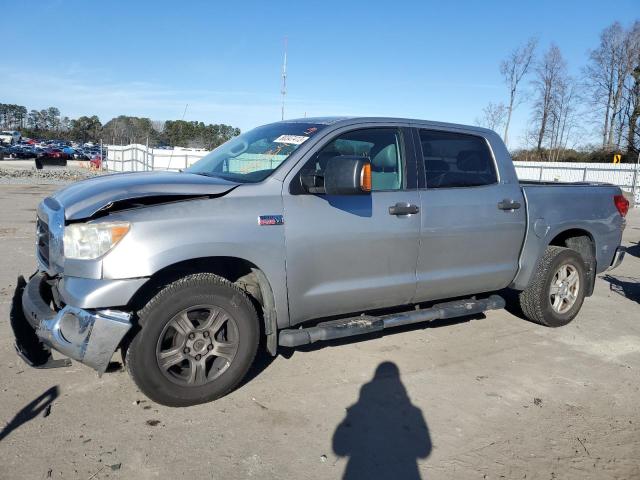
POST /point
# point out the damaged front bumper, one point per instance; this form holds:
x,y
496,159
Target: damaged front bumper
x,y
88,336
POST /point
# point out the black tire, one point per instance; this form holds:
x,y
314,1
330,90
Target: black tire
x,y
141,354
39,164
536,301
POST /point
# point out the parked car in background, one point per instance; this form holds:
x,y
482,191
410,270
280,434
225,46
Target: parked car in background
x,y
10,151
13,152
69,151
80,154
20,151
31,151
52,156
10,137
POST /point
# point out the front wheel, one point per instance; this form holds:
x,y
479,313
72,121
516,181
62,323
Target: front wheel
x,y
199,337
557,289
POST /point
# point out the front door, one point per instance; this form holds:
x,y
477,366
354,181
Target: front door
x,y
349,253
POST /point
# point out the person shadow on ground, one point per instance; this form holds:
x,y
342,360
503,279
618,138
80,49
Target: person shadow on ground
x,y
31,411
383,433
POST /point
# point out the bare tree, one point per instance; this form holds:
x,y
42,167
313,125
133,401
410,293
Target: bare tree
x,y
493,116
609,75
633,133
550,71
632,93
600,73
564,115
625,64
158,125
513,69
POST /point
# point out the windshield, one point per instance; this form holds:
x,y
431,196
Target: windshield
x,y
254,155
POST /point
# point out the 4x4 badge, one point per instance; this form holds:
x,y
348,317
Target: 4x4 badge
x,y
270,220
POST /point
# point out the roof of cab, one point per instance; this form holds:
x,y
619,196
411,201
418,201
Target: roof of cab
x,y
356,120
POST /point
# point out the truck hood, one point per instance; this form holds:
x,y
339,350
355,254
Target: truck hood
x,y
83,199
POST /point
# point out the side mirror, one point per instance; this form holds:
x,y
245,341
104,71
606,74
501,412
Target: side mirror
x,y
347,175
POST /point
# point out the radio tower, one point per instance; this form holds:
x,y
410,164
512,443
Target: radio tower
x,y
283,91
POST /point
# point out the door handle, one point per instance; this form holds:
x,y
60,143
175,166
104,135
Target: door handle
x,y
508,204
403,209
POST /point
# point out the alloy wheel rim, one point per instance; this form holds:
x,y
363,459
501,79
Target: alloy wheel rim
x,y
197,345
564,289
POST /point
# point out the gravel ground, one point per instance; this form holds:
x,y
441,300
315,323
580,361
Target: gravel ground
x,y
23,172
483,398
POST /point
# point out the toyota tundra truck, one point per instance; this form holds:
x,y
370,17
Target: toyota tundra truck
x,y
297,232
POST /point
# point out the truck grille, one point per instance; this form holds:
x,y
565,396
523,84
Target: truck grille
x,y
42,242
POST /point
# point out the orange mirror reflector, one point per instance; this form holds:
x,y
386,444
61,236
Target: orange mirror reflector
x,y
365,178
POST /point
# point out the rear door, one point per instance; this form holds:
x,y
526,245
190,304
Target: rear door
x,y
348,253
472,221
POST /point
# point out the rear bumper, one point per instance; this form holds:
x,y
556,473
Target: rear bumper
x,y
618,257
88,336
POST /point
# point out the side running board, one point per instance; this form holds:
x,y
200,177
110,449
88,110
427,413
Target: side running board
x,y
348,327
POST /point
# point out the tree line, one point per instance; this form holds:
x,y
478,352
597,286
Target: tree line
x,y
604,102
49,124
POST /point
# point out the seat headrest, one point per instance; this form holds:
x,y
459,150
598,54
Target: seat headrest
x,y
345,148
471,161
385,158
436,166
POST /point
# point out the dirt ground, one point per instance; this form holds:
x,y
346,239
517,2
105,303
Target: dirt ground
x,y
493,397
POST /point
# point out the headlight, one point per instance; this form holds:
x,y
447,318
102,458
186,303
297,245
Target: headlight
x,y
87,241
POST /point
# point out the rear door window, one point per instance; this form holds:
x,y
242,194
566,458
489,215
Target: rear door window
x,y
454,160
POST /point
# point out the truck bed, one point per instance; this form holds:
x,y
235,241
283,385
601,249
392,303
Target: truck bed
x,y
563,184
554,207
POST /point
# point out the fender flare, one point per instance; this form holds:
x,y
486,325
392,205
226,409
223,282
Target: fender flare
x,y
269,311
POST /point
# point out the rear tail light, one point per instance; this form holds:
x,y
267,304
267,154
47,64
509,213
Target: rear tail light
x,y
622,204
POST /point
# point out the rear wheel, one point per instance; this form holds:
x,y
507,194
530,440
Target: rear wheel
x,y
556,293
198,339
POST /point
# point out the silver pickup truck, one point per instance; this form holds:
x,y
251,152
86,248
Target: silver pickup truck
x,y
298,232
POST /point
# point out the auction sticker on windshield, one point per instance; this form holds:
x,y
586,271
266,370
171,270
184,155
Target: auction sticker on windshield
x,y
291,139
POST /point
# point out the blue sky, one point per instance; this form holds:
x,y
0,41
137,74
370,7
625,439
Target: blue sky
x,y
433,60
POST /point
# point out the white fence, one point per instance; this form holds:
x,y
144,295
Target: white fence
x,y
627,176
139,158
